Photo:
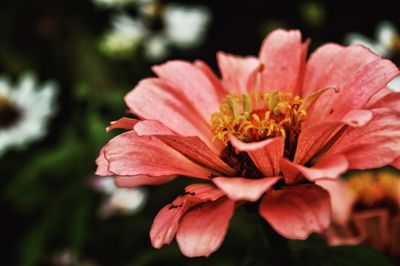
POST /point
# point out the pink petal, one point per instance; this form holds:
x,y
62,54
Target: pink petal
x,y
339,73
283,56
329,167
374,145
151,128
343,235
102,165
204,192
124,123
265,154
297,211
168,218
141,180
192,147
238,188
342,199
155,99
374,225
313,139
211,77
235,71
396,163
379,95
366,82
391,100
130,155
394,235
316,66
357,118
203,229
193,84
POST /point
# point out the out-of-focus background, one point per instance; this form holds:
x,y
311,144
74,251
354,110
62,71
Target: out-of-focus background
x,y
65,67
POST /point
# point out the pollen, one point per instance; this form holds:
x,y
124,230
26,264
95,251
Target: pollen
x,y
258,116
373,189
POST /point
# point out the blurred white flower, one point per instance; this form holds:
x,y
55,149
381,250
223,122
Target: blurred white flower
x,y
118,200
25,110
182,27
185,27
386,43
70,257
395,84
156,47
113,3
124,36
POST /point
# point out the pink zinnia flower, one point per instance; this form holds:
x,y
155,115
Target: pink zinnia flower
x,y
266,132
366,209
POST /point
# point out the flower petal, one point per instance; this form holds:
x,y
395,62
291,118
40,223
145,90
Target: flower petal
x,y
366,82
193,84
340,73
316,66
374,225
374,145
297,211
211,77
396,163
167,221
343,235
102,165
394,244
329,167
192,147
203,228
204,192
142,180
235,71
265,154
332,64
342,199
315,138
155,99
283,56
130,155
391,100
238,188
124,123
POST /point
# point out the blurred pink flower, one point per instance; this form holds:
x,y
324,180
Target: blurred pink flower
x,y
366,209
267,131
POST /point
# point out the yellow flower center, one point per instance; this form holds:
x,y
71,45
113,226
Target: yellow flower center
x,y
258,116
376,189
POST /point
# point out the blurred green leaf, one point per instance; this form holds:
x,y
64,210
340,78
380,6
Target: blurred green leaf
x,y
310,253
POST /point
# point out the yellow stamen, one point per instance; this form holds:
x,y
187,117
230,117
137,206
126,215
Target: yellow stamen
x,y
257,116
372,187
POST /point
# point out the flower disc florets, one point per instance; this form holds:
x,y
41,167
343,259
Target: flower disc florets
x,y
258,116
375,190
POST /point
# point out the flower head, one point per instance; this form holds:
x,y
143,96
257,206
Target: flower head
x,y
267,133
366,208
118,200
24,111
157,27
